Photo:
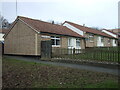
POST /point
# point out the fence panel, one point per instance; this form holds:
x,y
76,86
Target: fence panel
x,y
98,53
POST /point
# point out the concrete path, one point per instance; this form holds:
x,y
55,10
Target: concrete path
x,y
78,66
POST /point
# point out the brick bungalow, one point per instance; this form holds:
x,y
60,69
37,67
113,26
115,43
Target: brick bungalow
x,y
94,38
113,34
26,34
117,31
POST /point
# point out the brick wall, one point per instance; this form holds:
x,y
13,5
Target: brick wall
x,y
82,43
20,40
89,43
64,42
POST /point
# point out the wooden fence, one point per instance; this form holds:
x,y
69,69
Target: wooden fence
x,y
101,53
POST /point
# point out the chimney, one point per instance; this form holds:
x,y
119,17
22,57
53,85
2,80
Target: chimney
x,y
52,22
83,24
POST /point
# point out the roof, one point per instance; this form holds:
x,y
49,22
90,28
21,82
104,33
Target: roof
x,y
116,31
111,31
41,26
4,31
89,30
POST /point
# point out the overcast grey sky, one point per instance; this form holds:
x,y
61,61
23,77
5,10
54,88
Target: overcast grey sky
x,y
92,13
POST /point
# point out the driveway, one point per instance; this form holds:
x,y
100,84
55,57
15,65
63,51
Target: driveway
x,y
77,66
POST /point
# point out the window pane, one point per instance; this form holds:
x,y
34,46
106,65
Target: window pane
x,y
57,37
53,41
57,42
77,42
69,42
52,36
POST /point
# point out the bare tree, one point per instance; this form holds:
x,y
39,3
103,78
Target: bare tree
x,y
97,28
4,22
1,20
54,22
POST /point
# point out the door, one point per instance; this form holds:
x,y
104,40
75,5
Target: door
x,y
46,49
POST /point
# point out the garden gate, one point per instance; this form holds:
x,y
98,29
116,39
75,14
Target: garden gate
x,y
46,49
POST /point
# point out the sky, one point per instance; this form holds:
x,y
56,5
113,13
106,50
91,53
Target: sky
x,y
92,13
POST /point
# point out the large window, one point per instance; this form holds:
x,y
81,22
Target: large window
x,y
77,42
55,41
91,37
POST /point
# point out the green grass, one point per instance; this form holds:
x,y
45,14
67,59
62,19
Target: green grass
x,y
23,74
105,84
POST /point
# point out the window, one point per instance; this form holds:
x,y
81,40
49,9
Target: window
x,y
69,42
102,39
91,37
77,42
55,41
115,41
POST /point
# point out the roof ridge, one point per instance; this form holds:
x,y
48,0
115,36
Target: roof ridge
x,y
81,25
42,26
88,29
38,20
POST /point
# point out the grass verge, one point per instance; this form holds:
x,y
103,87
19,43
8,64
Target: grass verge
x,y
23,74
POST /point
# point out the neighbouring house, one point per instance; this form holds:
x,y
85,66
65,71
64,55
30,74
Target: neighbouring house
x,y
25,36
2,33
117,31
94,38
113,34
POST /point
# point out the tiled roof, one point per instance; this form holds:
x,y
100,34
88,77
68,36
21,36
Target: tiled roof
x,y
46,27
87,29
110,31
116,31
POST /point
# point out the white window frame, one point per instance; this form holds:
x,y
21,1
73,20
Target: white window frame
x,y
116,41
77,40
69,42
55,39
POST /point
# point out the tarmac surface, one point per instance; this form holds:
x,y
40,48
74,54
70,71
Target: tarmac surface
x,y
114,71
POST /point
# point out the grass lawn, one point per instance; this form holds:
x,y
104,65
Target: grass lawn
x,y
22,74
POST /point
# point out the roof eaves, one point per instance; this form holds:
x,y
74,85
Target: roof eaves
x,y
88,31
11,27
63,35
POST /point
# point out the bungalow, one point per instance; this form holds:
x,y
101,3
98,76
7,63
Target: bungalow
x,y
94,38
117,31
115,35
26,34
2,33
